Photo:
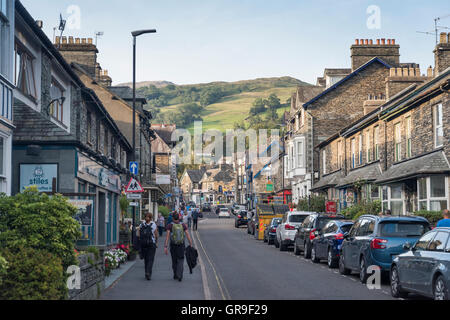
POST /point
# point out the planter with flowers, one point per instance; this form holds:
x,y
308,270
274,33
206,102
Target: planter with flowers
x,y
114,258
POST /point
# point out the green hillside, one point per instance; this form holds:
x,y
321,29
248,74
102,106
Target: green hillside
x,y
219,104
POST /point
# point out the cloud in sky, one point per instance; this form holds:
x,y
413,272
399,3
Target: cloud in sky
x,y
203,41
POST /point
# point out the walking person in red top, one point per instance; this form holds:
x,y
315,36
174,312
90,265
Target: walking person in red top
x,y
176,232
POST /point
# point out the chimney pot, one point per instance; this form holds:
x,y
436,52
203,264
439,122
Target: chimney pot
x,y
83,40
357,41
371,41
418,72
393,41
77,40
57,40
392,72
361,41
443,38
71,40
378,41
90,40
430,72
383,41
64,39
366,41
388,41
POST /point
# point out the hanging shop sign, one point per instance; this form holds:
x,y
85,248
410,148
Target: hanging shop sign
x,y
84,213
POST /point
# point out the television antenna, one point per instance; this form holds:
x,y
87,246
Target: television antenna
x,y
98,34
435,32
61,27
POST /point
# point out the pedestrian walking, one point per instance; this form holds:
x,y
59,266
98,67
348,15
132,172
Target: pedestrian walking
x,y
176,234
445,222
189,214
195,220
161,224
186,219
148,238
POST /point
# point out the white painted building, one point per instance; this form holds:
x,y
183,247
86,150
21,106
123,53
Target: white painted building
x,y
7,80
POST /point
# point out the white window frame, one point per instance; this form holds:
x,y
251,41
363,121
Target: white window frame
x,y
300,153
65,86
398,142
376,143
324,161
386,203
360,153
339,154
408,127
438,117
5,176
368,148
353,152
428,199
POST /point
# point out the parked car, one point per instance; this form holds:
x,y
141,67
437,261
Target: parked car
x,y
309,229
327,243
425,268
271,231
241,219
251,224
377,240
237,208
224,213
285,232
220,206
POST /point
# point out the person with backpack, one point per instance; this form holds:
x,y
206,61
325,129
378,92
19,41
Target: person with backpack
x,y
176,233
147,239
194,220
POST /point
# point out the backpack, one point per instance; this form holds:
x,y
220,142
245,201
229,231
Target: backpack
x,y
177,234
195,215
146,235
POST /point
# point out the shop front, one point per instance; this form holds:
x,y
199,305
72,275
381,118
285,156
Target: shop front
x,y
104,188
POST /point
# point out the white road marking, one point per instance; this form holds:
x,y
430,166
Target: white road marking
x,y
206,289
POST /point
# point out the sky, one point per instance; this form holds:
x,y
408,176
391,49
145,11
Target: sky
x,y
200,41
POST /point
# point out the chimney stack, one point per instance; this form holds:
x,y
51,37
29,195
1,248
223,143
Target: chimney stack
x,y
442,53
365,50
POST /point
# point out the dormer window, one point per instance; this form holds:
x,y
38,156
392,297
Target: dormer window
x,y
57,106
25,79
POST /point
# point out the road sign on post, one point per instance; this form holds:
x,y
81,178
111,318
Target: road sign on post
x,y
331,207
134,187
134,168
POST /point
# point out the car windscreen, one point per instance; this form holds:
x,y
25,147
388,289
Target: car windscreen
x,y
297,218
346,227
402,229
276,222
322,221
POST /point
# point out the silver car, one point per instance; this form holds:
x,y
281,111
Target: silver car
x,y
425,268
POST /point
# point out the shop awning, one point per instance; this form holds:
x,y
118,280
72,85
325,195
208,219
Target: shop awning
x,y
328,181
368,173
432,163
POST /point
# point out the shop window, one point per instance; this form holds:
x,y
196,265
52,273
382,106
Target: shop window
x,y
433,193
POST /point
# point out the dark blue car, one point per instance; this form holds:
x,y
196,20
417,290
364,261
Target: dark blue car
x,y
425,268
327,243
377,240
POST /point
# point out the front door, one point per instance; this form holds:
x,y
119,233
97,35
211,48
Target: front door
x,y
101,221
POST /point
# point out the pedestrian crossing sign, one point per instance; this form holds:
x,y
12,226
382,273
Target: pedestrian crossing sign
x,y
134,187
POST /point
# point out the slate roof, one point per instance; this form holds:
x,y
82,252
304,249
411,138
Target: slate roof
x,y
224,175
126,93
329,180
432,163
33,126
195,175
165,132
367,173
351,75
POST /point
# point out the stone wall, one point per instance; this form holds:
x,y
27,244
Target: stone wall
x,y
442,53
92,278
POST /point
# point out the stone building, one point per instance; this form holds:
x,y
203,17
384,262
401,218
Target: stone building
x,y
344,99
64,139
399,152
190,184
218,184
7,85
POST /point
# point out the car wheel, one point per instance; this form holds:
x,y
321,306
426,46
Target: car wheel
x,y
440,290
314,255
269,241
363,270
331,261
342,269
296,250
248,231
306,251
396,290
264,239
277,244
283,247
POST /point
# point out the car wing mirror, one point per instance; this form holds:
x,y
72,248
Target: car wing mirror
x,y
407,246
346,235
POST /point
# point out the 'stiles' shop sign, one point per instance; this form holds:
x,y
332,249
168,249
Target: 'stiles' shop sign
x,y
40,175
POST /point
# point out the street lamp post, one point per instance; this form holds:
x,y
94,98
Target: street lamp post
x,y
135,34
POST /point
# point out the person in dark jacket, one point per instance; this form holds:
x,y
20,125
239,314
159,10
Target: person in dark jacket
x,y
147,238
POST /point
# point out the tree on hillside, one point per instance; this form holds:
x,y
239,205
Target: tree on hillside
x,y
273,102
258,107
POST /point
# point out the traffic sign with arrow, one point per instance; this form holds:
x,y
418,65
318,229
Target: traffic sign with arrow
x,y
134,168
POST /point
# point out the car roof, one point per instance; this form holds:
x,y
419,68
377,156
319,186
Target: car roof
x,y
303,213
395,218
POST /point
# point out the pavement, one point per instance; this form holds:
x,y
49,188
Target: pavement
x,y
235,266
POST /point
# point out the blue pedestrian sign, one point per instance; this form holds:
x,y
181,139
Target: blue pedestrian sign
x,y
134,168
